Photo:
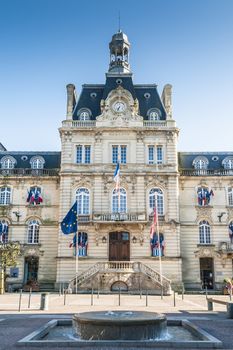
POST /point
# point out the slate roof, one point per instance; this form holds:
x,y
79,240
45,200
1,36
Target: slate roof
x,y
86,101
52,159
215,159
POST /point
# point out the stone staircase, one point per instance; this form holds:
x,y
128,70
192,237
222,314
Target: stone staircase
x,y
119,269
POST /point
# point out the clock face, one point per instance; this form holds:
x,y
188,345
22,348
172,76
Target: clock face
x,y
119,107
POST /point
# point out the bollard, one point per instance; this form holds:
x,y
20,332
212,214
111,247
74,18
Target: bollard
x,y
140,294
92,301
64,293
230,310
146,297
20,299
206,293
182,291
230,294
44,301
209,305
29,299
161,292
60,290
119,297
174,298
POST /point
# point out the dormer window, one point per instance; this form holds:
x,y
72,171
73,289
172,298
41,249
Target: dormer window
x,y
8,162
200,163
228,163
84,114
154,114
37,162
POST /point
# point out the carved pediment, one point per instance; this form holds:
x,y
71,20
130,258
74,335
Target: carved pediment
x,y
128,117
204,213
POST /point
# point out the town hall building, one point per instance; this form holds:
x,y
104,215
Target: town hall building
x,y
122,240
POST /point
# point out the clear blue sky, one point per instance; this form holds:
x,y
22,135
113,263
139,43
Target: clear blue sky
x,y
46,44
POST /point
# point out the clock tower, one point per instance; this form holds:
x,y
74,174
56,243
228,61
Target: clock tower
x,y
119,53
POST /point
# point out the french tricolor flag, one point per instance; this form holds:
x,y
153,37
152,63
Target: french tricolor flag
x,y
117,176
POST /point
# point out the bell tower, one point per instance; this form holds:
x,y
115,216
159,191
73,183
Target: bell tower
x,y
119,54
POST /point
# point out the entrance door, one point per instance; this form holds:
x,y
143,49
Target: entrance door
x,y
207,272
31,269
119,249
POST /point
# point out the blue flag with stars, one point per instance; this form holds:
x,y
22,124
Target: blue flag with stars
x,y
70,224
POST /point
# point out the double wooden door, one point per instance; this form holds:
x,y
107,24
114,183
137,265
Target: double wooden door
x,y
119,246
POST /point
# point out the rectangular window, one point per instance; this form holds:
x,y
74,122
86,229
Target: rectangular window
x,y
87,154
114,154
159,155
151,154
119,151
83,155
123,154
79,154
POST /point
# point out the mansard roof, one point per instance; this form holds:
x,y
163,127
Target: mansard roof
x,y
214,158
101,91
52,159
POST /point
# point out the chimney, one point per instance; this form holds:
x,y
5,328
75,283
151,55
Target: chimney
x,y
167,99
71,100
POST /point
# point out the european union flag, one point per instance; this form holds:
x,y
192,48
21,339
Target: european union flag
x,y
70,224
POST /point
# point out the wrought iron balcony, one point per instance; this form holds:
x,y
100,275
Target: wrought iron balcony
x,y
106,217
206,172
29,172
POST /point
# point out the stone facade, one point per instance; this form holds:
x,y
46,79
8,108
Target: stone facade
x,y
130,124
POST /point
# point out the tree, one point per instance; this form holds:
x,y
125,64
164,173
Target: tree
x,y
9,253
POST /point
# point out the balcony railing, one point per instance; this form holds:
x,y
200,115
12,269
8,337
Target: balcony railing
x,y
206,172
84,218
92,123
226,247
119,217
154,123
79,123
29,172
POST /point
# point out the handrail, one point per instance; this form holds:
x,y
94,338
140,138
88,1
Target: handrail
x,y
29,172
206,172
120,266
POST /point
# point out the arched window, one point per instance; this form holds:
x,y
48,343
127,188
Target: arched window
x,y
8,162
84,114
119,201
4,228
228,163
156,193
5,195
33,231
200,163
230,196
204,232
37,162
83,201
156,248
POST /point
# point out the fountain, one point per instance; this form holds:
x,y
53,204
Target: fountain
x,y
120,325
116,329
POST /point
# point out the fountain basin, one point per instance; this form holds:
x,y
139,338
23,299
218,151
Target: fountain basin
x,y
119,325
59,333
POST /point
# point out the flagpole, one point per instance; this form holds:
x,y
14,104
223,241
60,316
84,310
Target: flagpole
x,y
76,255
159,245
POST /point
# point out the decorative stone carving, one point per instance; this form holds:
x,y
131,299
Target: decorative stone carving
x,y
204,212
210,252
67,136
127,118
229,213
32,250
98,136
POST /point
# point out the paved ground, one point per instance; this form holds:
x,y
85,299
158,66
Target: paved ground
x,y
15,325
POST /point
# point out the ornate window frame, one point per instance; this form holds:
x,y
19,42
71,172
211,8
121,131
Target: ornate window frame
x,y
5,195
8,162
200,163
82,195
33,231
37,162
228,163
160,200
